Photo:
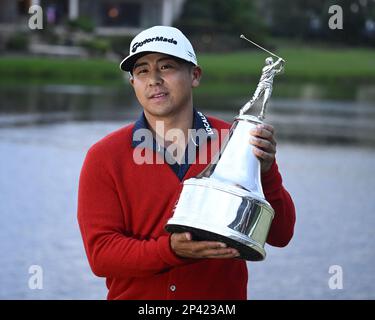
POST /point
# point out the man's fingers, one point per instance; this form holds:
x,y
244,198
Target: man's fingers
x,y
262,138
188,236
184,246
224,256
264,155
185,236
215,253
265,145
267,127
265,131
199,246
185,239
222,253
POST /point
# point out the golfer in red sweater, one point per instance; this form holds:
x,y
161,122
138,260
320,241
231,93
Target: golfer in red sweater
x,y
130,182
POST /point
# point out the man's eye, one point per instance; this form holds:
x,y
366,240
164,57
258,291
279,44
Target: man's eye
x,y
166,66
141,71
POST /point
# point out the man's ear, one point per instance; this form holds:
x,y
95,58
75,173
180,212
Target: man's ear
x,y
196,75
131,79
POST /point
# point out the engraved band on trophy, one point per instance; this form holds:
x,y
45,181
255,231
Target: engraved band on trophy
x,y
225,202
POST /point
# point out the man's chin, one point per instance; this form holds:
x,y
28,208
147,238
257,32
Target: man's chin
x,y
160,111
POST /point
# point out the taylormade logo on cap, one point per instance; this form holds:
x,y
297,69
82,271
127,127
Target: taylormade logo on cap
x,y
140,44
159,39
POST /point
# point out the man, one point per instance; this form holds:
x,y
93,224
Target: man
x,y
123,204
265,85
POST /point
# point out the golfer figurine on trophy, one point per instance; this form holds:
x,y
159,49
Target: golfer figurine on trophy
x,y
225,202
265,83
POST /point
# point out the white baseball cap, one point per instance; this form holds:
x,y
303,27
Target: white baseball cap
x,y
161,39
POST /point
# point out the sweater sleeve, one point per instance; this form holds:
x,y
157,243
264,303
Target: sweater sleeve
x,y
282,227
110,251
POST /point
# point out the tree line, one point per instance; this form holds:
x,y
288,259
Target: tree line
x,y
305,20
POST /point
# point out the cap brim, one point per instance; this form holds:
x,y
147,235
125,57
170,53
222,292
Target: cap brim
x,y
128,63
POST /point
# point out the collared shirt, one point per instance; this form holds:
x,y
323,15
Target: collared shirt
x,y
202,131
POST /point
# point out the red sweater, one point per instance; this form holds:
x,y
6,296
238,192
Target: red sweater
x,y
123,208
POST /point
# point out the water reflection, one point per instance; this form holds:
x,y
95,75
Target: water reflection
x,y
65,102
298,111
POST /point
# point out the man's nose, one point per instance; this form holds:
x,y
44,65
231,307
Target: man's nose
x,y
155,78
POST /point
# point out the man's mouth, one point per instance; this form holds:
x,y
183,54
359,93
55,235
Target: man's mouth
x,y
158,95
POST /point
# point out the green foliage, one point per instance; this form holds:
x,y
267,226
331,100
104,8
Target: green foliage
x,y
295,19
64,71
303,65
82,23
17,42
354,23
218,19
120,44
220,16
97,46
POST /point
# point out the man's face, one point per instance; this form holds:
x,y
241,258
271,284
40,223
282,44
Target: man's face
x,y
163,85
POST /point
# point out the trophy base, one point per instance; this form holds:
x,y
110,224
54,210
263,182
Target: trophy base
x,y
246,251
214,211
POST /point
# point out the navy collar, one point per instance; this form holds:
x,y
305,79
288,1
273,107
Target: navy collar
x,y
201,125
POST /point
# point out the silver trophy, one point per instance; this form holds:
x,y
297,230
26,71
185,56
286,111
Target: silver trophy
x,y
225,202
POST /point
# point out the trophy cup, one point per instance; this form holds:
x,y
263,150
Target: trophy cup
x,y
225,202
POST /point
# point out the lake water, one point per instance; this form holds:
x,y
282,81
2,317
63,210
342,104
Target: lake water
x,y
333,187
326,154
310,115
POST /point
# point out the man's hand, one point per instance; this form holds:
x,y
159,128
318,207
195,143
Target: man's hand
x,y
183,245
262,138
